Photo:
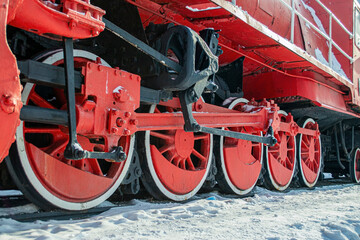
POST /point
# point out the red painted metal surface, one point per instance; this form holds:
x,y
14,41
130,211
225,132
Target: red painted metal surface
x,y
44,147
276,85
106,107
264,53
242,159
179,158
281,157
310,155
356,174
10,88
70,18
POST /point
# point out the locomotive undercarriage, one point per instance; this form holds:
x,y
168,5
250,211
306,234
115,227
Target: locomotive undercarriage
x,y
173,120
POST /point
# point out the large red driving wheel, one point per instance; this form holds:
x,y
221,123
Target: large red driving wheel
x,y
279,160
175,163
309,155
355,166
37,163
239,162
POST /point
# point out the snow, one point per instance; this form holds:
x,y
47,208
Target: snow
x,y
315,17
118,89
336,66
201,10
330,212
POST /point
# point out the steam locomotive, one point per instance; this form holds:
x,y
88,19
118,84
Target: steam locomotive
x,y
174,96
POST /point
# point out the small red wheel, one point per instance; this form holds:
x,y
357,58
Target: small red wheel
x,y
37,163
175,163
355,166
239,161
279,160
309,155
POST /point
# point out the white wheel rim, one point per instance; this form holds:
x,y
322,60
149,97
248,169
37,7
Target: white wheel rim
x,y
222,158
354,166
159,185
273,182
301,162
20,143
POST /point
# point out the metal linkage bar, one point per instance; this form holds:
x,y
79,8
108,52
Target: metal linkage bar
x,y
268,140
140,45
44,115
45,74
73,149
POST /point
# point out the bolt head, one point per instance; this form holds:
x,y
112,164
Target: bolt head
x,y
127,132
127,114
134,121
114,130
120,122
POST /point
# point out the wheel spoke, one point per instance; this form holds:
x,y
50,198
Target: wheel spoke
x,y
54,148
95,166
166,148
176,161
162,136
198,155
40,101
272,150
316,165
190,163
289,164
306,140
170,110
201,136
182,164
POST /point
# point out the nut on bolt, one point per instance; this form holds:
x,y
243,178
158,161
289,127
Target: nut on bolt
x,y
114,130
120,122
127,132
134,121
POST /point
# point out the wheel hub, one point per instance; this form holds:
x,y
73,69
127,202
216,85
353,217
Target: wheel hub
x,y
184,143
244,148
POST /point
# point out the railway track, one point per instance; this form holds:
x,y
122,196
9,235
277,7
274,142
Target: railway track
x,y
12,201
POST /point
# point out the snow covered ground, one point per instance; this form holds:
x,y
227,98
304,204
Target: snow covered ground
x,y
331,212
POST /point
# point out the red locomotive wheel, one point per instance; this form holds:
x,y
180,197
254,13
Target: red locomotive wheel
x,y
279,160
309,155
239,161
37,163
175,163
355,166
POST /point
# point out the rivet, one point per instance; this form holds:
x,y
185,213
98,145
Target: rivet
x,y
127,132
127,114
114,130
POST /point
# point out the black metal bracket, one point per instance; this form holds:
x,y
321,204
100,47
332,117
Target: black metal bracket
x,y
337,149
73,149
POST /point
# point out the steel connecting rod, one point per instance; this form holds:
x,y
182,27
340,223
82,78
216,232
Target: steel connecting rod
x,y
73,149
